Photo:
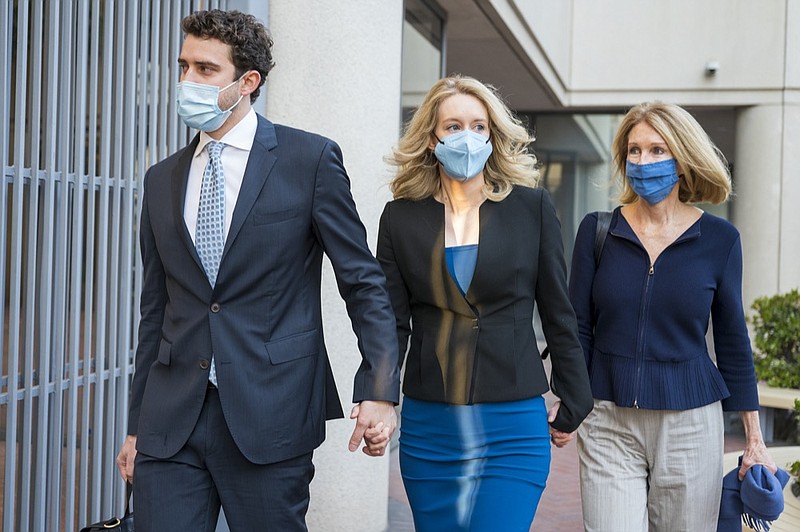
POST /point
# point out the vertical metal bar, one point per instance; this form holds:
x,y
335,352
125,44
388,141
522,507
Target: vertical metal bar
x,y
30,426
100,488
156,68
175,39
165,61
128,167
89,496
44,302
114,258
61,84
147,122
5,132
15,277
77,267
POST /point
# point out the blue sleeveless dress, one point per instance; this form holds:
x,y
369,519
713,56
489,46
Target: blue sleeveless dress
x,y
479,467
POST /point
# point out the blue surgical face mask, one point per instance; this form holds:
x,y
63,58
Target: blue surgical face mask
x,y
198,105
653,181
464,154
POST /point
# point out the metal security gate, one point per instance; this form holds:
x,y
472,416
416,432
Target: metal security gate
x,y
87,91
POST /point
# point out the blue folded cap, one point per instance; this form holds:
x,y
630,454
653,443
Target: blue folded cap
x,y
757,499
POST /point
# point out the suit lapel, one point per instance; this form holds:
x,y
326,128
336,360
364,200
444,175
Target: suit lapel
x,y
180,178
259,165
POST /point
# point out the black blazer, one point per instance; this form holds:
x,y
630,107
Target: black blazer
x,y
482,347
262,321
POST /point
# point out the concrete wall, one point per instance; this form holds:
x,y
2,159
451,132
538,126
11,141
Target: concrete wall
x,y
654,45
789,264
789,259
618,52
756,209
768,175
337,73
551,23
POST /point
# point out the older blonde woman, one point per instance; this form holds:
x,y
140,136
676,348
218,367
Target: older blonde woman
x,y
469,246
651,450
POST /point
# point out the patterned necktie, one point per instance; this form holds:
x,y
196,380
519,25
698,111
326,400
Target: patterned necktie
x,y
210,231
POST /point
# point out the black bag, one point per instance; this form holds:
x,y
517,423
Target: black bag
x,y
119,524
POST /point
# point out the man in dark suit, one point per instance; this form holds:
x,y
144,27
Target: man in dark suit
x,y
233,384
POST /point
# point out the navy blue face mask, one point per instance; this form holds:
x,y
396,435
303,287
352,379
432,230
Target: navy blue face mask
x,y
653,181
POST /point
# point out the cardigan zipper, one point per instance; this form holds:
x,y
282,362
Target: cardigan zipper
x,y
639,357
642,329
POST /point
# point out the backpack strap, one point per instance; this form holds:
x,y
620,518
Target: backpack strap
x,y
603,225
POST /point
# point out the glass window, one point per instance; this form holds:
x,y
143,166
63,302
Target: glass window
x,y
423,47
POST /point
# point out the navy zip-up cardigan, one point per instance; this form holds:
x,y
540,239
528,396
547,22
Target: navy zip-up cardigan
x,y
643,327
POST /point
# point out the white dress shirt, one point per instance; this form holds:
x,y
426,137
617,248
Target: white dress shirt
x,y
238,142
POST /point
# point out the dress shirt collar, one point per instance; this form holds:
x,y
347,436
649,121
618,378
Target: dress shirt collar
x,y
240,136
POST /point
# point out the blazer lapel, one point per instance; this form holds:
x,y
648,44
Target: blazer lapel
x,y
490,233
259,165
180,179
436,243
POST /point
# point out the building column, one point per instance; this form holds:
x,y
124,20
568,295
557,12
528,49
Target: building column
x,y
338,73
789,266
767,196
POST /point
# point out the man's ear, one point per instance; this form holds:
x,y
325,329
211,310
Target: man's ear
x,y
250,82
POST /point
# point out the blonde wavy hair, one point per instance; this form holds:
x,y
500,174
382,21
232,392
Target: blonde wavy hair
x,y
509,164
703,169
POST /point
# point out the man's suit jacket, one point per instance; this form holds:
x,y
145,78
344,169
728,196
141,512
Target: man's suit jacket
x,y
262,321
480,346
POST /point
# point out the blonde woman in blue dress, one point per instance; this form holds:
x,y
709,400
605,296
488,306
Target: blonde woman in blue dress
x,y
469,245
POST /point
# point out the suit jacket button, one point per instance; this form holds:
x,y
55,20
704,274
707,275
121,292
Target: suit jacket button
x,y
203,363
215,307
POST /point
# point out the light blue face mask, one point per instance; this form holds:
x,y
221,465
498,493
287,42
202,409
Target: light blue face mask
x,y
653,181
464,154
198,105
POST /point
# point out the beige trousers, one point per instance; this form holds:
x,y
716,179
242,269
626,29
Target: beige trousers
x,y
656,470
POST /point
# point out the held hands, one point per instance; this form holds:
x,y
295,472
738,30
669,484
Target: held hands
x,y
126,457
376,421
559,438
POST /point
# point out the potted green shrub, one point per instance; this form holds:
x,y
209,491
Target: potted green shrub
x,y
776,327
776,324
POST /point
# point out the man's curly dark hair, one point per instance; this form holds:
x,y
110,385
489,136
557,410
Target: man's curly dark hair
x,y
250,41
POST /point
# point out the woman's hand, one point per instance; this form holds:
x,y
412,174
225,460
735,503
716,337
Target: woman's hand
x,y
559,438
755,452
375,423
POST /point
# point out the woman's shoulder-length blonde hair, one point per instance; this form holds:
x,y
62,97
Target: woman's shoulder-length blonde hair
x,y
509,164
703,169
